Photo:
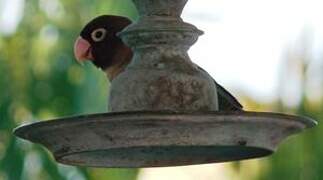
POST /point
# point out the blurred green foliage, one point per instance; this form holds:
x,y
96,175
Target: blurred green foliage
x,y
40,80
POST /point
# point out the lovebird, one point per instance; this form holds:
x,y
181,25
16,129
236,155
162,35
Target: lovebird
x,y
99,43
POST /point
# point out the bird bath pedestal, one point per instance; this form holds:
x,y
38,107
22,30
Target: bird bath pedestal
x,y
163,110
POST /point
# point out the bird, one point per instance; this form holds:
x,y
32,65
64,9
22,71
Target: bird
x,y
99,43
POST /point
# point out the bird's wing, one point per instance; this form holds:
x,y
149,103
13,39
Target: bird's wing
x,y
227,102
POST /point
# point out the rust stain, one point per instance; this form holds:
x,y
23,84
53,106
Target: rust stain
x,y
168,92
63,150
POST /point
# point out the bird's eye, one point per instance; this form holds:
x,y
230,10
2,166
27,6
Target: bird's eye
x,y
98,34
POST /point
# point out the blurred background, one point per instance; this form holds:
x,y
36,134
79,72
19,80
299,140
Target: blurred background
x,y
269,53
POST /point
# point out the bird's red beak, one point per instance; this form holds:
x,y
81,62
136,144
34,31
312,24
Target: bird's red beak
x,y
82,50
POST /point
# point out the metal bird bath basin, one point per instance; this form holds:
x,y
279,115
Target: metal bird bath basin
x,y
152,139
163,111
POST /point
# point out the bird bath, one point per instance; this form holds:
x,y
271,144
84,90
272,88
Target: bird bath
x,y
163,111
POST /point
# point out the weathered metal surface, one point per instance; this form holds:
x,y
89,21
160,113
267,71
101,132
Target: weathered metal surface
x,y
150,139
161,75
171,8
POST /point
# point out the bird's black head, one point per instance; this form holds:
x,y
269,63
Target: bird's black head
x,y
98,41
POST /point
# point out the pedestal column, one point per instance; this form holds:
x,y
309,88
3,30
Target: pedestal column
x,y
161,75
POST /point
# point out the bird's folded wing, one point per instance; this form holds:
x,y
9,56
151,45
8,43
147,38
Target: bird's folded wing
x,y
227,102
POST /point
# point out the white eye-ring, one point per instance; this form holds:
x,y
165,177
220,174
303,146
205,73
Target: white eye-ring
x,y
98,34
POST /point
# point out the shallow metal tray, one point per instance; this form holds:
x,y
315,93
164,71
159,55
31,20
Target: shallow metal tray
x,y
152,139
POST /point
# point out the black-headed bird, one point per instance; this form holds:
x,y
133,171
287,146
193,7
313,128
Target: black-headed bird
x,y
98,42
